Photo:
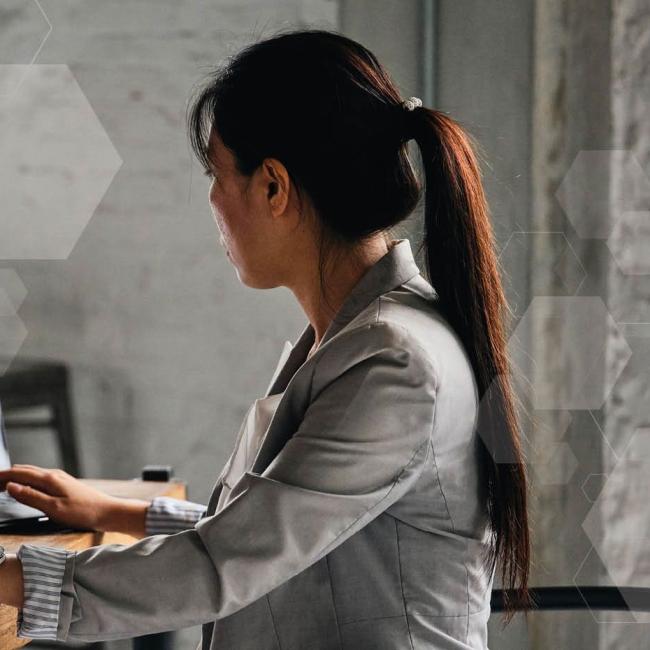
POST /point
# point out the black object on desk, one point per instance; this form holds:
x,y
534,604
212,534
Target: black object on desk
x,y
162,473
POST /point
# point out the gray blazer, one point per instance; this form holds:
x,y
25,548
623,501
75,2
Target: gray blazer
x,y
359,523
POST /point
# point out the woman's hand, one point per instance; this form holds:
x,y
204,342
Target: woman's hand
x,y
65,499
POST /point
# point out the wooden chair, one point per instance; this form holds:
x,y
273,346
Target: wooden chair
x,y
39,383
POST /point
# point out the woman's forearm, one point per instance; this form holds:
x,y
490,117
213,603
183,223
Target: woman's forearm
x,y
11,582
126,516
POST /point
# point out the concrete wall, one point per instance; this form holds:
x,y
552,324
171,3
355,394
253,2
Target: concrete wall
x,y
590,160
570,113
623,504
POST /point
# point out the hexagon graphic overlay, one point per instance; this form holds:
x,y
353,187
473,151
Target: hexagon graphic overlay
x,y
623,547
12,331
578,327
24,28
630,241
584,190
11,283
57,164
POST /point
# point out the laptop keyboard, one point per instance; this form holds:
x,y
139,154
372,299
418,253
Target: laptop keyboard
x,y
12,509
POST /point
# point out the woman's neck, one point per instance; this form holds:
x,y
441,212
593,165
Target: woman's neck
x,y
338,283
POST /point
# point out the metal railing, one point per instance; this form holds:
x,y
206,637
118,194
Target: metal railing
x,y
631,599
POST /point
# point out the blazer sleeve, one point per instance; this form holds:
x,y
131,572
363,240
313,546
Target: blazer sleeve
x,y
361,445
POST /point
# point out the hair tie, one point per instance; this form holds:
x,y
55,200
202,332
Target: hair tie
x,y
411,103
407,128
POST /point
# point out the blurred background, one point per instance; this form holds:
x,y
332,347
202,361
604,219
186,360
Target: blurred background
x,y
110,261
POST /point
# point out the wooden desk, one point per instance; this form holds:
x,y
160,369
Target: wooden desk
x,y
136,489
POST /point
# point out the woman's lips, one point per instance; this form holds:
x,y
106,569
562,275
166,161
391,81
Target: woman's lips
x,y
222,241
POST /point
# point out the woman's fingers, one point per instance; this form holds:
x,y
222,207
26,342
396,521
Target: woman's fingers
x,y
22,475
31,497
53,470
43,479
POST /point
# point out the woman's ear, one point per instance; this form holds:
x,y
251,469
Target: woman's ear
x,y
278,182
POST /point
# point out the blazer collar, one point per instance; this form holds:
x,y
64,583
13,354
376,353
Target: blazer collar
x,y
395,268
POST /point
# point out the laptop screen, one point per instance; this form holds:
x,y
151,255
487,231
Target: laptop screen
x,y
13,512
5,461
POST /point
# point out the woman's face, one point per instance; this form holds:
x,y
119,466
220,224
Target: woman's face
x,y
225,198
245,214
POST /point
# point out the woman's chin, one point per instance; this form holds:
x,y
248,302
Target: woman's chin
x,y
254,281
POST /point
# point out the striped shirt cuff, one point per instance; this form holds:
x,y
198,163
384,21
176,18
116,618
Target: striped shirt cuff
x,y
167,515
43,569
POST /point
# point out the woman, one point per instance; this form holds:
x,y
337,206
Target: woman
x,y
368,499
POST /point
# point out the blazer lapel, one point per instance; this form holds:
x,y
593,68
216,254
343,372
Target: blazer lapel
x,y
286,351
291,359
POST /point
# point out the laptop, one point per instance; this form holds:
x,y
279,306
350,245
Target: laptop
x,y
16,517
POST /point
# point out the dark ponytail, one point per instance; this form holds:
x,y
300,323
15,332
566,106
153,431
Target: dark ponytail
x,y
462,266
342,138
